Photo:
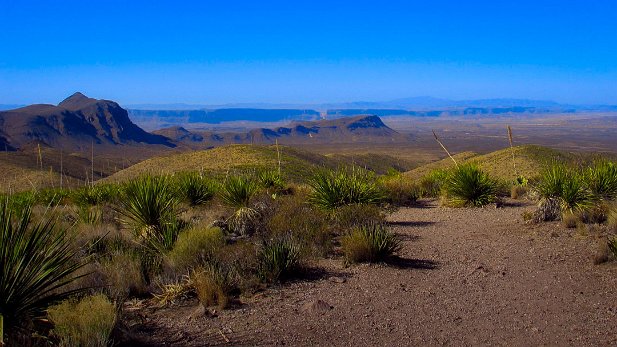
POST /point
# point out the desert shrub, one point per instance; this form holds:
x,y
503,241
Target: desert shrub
x,y
369,243
241,258
517,191
349,217
37,262
148,206
601,179
308,225
467,185
194,188
332,189
213,284
194,247
431,184
558,183
87,322
124,275
95,194
399,191
270,180
88,214
570,220
237,192
51,196
278,258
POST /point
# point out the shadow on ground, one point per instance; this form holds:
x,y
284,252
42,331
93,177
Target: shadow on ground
x,y
410,264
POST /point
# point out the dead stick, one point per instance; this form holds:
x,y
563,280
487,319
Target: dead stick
x,y
445,149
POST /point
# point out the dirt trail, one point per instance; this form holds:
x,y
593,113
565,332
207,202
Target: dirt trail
x,y
464,277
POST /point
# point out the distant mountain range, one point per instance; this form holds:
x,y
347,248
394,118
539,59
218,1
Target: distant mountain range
x,y
78,122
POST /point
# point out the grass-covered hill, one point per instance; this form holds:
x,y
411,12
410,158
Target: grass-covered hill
x,y
295,163
529,159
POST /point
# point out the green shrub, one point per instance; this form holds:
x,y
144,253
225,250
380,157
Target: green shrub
x,y
237,192
332,189
601,179
89,214
148,206
88,322
51,196
194,247
369,243
95,195
278,258
350,217
195,189
431,184
37,262
467,185
308,225
400,191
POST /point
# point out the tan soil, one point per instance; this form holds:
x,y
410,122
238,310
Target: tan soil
x,y
464,277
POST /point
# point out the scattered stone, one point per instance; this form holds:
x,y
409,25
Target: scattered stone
x,y
317,306
337,279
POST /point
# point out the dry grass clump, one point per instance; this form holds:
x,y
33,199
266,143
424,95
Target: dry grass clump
x,y
124,275
88,322
400,191
518,191
570,220
194,247
350,217
278,258
612,246
213,285
369,243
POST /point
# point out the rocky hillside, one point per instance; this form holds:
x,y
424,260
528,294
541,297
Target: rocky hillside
x,y
75,123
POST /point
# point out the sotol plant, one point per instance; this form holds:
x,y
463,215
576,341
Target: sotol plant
x,y
278,258
567,187
195,188
467,185
36,262
601,179
370,243
237,192
332,189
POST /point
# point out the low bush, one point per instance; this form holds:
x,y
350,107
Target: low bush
x,y
332,189
124,275
431,184
559,183
195,247
350,217
570,220
518,191
467,185
278,258
95,195
88,322
369,243
611,220
400,191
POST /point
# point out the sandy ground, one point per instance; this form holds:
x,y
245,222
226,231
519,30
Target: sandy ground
x,y
464,277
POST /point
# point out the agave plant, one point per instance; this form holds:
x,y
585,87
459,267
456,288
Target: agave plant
x,y
148,206
332,189
36,262
467,185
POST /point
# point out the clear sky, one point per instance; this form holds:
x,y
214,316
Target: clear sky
x,y
307,51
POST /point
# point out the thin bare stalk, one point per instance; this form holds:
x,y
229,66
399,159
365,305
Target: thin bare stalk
x,y
278,154
512,149
445,149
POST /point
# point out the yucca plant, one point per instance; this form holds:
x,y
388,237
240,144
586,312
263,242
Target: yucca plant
x,y
149,206
370,243
467,185
332,189
278,258
36,262
601,179
195,188
559,183
95,195
271,180
237,192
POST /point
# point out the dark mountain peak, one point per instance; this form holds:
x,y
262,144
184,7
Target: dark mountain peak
x,y
76,101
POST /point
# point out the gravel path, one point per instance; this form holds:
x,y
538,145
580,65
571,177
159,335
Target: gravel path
x,y
464,277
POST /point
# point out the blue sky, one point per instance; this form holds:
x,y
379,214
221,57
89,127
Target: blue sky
x,y
310,51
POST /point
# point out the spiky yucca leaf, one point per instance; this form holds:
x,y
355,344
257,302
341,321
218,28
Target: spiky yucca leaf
x,y
332,189
601,179
36,262
370,243
278,258
195,188
237,191
467,185
558,182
